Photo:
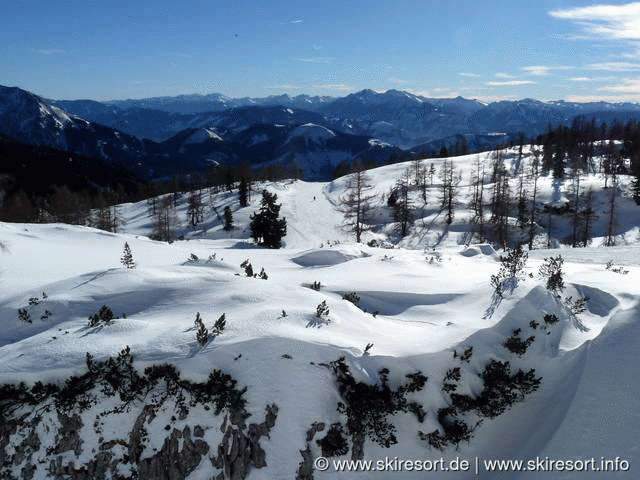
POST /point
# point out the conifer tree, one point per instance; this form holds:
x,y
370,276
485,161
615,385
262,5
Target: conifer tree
x,y
243,192
202,334
127,257
267,228
228,218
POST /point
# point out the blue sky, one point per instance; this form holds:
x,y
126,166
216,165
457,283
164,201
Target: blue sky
x,y
500,49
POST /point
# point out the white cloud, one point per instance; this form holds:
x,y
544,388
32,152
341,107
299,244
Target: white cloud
x,y
296,21
620,22
340,87
631,86
470,75
511,83
543,70
504,75
317,60
614,66
590,79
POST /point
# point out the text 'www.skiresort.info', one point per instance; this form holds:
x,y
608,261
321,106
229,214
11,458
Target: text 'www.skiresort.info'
x,y
478,465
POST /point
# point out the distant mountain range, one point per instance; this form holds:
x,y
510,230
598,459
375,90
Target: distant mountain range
x,y
260,136
395,117
160,137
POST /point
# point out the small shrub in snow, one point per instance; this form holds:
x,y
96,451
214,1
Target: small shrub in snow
x,y
577,306
511,270
104,316
334,443
284,314
451,379
127,258
219,325
367,407
351,297
435,257
33,301
454,430
550,319
202,334
263,275
45,315
367,348
619,270
551,270
315,286
533,324
465,356
248,268
500,391
322,310
192,258
517,345
24,315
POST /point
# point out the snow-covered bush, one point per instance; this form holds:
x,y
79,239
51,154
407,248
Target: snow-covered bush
x,y
334,443
516,344
511,270
322,310
104,316
367,407
551,270
351,297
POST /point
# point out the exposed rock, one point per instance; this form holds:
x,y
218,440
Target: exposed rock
x,y
68,437
240,449
305,469
172,462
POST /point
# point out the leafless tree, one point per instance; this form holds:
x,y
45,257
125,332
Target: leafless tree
x,y
356,203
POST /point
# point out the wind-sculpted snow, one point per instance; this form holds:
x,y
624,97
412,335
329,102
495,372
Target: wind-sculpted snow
x,y
539,376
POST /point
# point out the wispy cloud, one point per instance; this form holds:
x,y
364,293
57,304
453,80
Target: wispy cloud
x,y
614,66
620,22
296,21
511,83
317,60
340,87
504,75
590,79
630,86
544,70
51,51
286,86
470,75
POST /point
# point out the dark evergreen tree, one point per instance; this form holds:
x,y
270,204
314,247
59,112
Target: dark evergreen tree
x,y
243,192
228,218
202,334
267,228
402,208
127,257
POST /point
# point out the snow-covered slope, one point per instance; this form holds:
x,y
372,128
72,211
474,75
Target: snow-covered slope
x,y
420,305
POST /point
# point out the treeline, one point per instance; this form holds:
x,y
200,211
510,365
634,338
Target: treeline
x,y
39,184
616,146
